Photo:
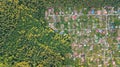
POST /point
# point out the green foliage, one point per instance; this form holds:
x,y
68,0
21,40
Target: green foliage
x,y
25,41
29,42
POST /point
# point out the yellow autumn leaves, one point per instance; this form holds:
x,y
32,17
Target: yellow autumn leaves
x,y
22,64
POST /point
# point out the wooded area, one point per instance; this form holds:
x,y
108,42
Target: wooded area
x,y
26,40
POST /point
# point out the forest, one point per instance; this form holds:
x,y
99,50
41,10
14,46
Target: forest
x,y
26,40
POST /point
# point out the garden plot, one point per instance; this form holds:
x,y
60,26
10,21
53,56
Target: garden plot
x,y
95,36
